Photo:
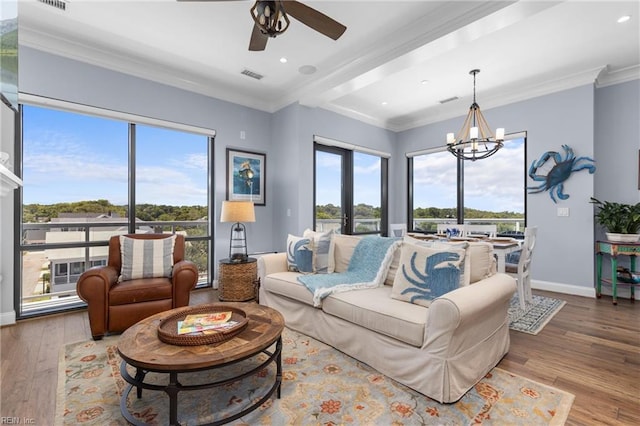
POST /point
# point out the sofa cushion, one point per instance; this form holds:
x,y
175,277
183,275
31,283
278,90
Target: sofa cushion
x,y
286,284
323,248
299,254
374,309
483,263
146,258
427,273
344,245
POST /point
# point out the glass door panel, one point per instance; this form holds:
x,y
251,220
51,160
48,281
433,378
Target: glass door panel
x,y
328,192
367,193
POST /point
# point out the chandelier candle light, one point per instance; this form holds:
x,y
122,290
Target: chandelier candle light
x,y
238,211
475,140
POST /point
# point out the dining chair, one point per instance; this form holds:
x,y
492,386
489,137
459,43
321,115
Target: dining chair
x,y
473,229
521,270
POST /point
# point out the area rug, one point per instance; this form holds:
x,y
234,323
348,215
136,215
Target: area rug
x,y
320,386
535,316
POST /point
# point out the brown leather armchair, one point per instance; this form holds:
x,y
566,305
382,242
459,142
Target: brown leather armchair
x,y
114,306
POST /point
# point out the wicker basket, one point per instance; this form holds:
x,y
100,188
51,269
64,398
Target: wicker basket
x,y
168,328
237,281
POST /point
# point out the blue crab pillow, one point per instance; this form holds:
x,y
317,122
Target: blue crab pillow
x,y
426,273
299,254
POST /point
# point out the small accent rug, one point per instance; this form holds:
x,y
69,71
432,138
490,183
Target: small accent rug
x,y
535,316
320,386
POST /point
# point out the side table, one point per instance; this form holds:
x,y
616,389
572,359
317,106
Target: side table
x,y
615,249
238,280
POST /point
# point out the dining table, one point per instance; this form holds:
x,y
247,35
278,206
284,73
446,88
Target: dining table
x,y
502,246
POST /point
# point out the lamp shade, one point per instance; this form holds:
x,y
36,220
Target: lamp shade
x,y
237,211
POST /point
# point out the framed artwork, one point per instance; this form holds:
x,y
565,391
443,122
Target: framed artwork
x,y
246,176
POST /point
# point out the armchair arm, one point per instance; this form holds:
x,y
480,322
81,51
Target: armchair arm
x,y
271,263
183,279
93,287
468,315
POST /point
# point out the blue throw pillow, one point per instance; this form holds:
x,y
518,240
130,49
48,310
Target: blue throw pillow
x,y
294,245
427,273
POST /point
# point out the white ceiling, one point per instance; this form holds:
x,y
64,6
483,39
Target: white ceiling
x,y
409,54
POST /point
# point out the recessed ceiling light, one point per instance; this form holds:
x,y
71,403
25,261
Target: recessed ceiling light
x,y
307,69
283,60
384,102
624,18
424,81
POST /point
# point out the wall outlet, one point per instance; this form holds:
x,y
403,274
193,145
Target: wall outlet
x,y
243,135
563,211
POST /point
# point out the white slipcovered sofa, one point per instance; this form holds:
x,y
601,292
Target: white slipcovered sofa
x,y
441,350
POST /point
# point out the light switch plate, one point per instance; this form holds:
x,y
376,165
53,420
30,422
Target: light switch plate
x,y
563,211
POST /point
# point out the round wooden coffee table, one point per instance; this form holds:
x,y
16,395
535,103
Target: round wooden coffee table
x,y
140,347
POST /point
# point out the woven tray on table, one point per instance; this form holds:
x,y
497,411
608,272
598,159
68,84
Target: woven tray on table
x,y
168,328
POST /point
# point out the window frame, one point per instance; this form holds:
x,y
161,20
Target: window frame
x,y
132,120
459,180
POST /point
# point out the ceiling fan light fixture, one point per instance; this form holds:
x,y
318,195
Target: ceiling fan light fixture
x,y
270,17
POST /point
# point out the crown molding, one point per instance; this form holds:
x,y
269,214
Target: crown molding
x,y
610,77
510,94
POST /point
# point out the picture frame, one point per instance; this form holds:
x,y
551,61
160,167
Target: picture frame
x,y
246,176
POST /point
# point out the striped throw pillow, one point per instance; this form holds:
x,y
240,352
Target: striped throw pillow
x,y
146,258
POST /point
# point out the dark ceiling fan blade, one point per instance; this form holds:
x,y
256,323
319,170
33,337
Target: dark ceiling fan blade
x,y
258,39
314,19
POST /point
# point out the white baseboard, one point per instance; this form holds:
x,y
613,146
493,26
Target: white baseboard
x,y
623,291
575,290
7,318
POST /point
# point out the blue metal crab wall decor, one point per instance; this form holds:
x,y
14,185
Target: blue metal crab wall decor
x,y
559,173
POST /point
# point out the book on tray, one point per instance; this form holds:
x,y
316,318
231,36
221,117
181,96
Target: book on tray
x,y
206,323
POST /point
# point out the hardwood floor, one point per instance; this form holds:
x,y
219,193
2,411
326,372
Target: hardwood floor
x,y
590,348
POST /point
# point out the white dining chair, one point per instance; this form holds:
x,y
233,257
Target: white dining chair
x,y
473,229
521,270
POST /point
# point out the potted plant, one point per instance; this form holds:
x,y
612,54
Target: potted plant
x,y
621,220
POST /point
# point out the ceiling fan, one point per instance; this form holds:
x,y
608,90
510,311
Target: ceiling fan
x,y
272,19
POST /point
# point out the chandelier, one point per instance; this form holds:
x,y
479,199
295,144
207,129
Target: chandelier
x,y
475,140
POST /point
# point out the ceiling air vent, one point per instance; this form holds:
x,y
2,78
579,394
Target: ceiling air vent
x,y
444,101
58,4
251,74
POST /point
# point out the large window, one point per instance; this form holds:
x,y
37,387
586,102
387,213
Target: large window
x,y
89,177
350,191
446,190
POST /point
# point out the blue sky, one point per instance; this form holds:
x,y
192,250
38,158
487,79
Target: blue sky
x,y
70,157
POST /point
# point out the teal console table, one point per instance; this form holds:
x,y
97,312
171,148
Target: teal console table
x,y
614,249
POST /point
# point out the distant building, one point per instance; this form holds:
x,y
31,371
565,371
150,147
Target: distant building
x,y
67,264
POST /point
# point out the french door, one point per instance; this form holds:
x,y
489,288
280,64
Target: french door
x,y
350,194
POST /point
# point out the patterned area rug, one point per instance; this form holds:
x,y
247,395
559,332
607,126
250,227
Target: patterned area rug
x,y
535,316
321,386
